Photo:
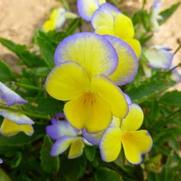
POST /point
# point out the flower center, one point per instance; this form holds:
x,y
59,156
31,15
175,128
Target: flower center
x,y
89,98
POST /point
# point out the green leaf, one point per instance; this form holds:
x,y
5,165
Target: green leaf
x,y
74,169
16,160
90,153
171,98
73,26
47,48
150,87
27,57
45,106
167,13
18,141
5,72
106,174
4,176
48,163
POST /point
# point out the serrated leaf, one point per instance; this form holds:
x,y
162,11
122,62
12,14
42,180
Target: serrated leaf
x,y
167,13
47,48
106,174
48,163
27,57
5,72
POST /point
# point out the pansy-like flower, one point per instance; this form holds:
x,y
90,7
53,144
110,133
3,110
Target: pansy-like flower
x,y
125,134
109,56
65,137
13,122
86,8
57,19
108,20
82,61
155,14
159,57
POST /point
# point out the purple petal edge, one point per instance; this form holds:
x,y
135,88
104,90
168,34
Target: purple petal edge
x,y
113,55
131,52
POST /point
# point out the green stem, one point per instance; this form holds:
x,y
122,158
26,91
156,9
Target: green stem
x,y
28,86
31,114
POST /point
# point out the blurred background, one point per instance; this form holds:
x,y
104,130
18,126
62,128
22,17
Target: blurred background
x,y
19,19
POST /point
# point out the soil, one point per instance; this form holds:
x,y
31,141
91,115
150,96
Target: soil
x,y
20,18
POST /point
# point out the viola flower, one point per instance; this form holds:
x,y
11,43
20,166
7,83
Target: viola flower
x,y
91,102
13,122
57,19
86,8
116,23
135,142
159,57
92,99
155,14
114,59
65,136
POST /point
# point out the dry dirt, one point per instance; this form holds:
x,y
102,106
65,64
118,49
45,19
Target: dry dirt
x,y
20,18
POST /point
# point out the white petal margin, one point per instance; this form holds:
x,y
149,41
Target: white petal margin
x,y
18,118
61,145
9,96
86,8
159,57
110,145
60,129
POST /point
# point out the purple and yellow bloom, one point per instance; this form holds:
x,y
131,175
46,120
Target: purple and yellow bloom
x,y
57,19
86,8
66,137
14,122
124,133
159,57
83,60
108,20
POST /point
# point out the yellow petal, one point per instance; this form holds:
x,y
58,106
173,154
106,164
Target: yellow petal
x,y
10,128
123,26
127,62
49,25
91,51
134,119
88,111
135,144
110,145
104,30
67,81
135,45
76,148
112,95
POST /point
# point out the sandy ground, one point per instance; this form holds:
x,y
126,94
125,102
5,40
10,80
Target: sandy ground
x,y
20,18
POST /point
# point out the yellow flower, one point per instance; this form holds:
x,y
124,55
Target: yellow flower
x,y
134,142
14,122
110,21
92,101
57,19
